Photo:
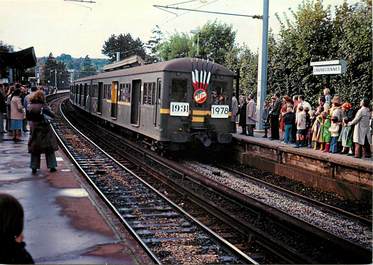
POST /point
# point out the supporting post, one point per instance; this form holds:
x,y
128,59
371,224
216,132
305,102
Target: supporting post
x,y
262,67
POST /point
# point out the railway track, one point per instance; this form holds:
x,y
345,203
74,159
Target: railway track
x,y
289,243
166,232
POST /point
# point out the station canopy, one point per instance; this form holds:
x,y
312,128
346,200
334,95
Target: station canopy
x,y
21,60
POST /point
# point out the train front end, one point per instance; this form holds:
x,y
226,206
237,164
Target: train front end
x,y
200,104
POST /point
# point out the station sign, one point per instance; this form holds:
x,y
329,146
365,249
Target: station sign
x,y
335,67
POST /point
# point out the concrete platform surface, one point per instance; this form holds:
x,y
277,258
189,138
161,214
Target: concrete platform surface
x,y
65,221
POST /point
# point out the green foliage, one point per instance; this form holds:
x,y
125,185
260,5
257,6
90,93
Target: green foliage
x,y
314,35
214,40
55,73
87,68
177,46
152,45
5,47
125,44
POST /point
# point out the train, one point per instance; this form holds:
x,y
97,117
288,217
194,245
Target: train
x,y
170,104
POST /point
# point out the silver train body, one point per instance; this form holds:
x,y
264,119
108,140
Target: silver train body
x,y
176,102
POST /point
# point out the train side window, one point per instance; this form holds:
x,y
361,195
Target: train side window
x,y
125,92
219,93
149,93
179,90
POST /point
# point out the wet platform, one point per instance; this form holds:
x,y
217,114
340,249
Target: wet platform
x,y
345,175
65,221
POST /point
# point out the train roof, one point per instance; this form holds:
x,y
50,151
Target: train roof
x,y
176,65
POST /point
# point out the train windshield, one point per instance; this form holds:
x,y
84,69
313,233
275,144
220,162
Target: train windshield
x,y
179,90
219,93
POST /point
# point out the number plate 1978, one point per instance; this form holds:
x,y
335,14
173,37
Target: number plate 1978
x,y
219,111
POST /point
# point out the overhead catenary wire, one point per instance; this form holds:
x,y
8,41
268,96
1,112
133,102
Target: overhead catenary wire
x,y
208,12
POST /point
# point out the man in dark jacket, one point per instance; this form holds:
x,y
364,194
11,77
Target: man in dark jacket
x,y
275,114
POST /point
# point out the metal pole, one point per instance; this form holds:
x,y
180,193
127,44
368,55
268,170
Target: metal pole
x,y
262,67
55,79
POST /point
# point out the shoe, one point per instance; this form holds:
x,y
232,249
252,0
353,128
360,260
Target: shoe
x,y
34,171
53,169
264,136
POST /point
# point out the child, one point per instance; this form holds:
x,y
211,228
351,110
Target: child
x,y
345,137
334,132
289,118
300,121
325,132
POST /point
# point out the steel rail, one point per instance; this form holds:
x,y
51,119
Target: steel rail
x,y
224,242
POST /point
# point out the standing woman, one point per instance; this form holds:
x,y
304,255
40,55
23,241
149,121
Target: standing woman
x,y
361,136
234,112
42,140
250,115
242,112
16,115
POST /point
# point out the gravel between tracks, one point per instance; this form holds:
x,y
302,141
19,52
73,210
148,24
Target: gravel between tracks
x,y
333,223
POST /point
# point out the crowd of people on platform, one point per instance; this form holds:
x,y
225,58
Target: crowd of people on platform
x,y
24,110
332,126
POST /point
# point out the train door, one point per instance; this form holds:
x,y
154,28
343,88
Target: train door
x,y
114,99
157,102
99,97
135,102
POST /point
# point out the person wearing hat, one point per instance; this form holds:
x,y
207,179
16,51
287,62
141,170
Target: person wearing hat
x,y
336,110
361,136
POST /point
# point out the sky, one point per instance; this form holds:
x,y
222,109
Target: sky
x,y
61,26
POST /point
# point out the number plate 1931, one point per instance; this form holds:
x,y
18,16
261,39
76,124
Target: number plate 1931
x,y
179,109
219,111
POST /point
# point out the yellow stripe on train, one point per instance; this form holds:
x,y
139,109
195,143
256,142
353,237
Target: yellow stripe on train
x,y
198,119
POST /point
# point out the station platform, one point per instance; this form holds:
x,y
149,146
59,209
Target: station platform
x,y
65,221
345,175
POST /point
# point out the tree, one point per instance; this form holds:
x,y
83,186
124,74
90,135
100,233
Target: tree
x,y
177,46
87,68
125,44
214,40
353,23
313,34
152,45
5,47
55,73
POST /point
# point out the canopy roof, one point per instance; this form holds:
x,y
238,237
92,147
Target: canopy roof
x,y
21,60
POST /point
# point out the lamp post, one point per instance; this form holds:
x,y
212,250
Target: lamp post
x,y
262,66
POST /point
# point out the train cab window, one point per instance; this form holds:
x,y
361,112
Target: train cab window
x,y
125,92
149,94
219,93
179,90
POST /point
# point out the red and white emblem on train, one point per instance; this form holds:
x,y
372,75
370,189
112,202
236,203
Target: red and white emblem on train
x,y
200,95
201,80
